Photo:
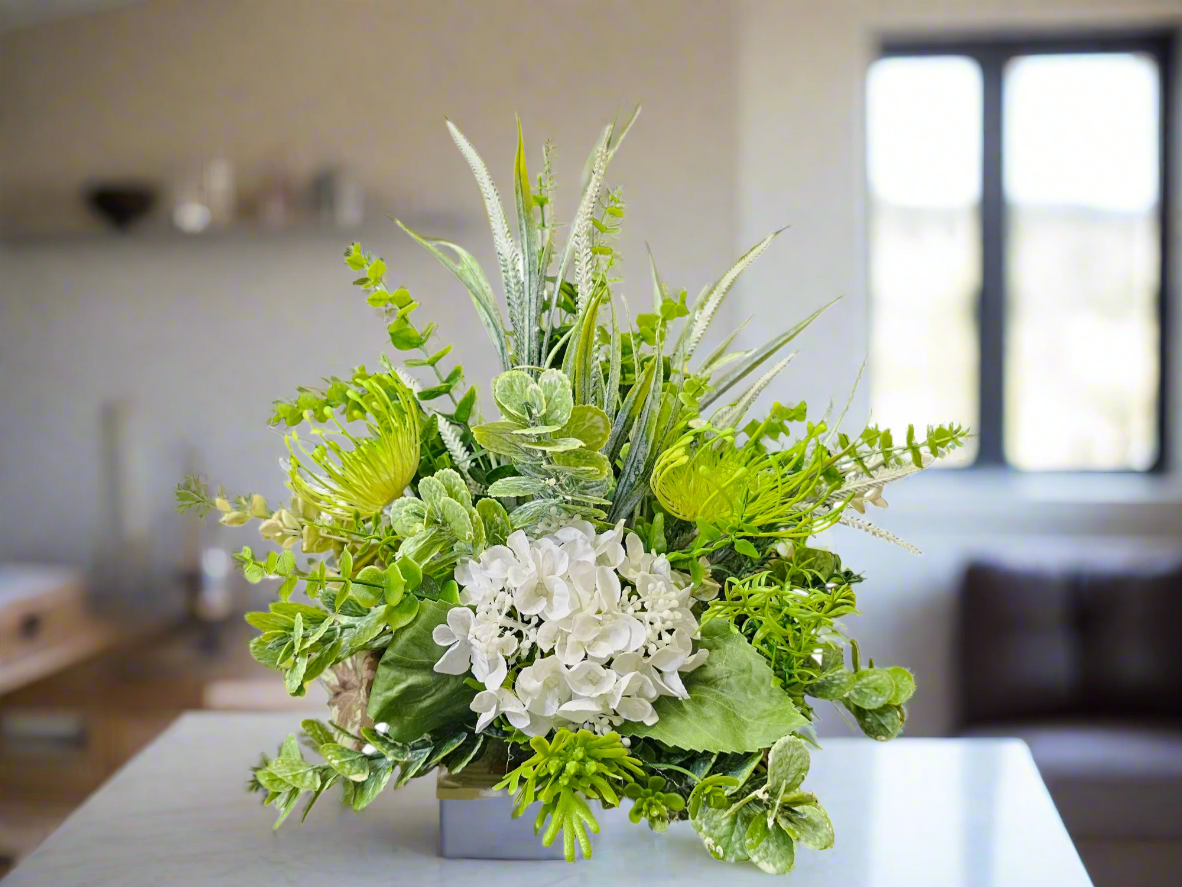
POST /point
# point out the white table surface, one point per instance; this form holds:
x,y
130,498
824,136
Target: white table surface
x,y
909,813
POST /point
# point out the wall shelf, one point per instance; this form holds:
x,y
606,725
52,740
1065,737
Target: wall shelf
x,y
438,224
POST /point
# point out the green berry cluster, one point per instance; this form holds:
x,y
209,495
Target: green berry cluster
x,y
651,803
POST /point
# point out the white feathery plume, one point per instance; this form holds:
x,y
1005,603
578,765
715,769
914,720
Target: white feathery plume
x,y
877,532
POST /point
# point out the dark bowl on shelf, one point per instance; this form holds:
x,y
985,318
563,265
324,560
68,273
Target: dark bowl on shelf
x,y
122,205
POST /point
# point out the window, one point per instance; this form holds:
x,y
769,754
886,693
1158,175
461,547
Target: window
x,y
1017,248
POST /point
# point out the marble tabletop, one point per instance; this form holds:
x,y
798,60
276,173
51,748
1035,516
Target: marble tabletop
x,y
910,813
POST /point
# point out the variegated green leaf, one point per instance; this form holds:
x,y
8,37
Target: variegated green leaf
x,y
469,273
583,464
556,392
497,437
641,440
580,360
704,310
509,390
517,486
531,271
508,255
758,357
626,417
729,416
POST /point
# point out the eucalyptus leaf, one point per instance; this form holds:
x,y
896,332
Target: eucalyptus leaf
x,y
509,392
872,687
402,613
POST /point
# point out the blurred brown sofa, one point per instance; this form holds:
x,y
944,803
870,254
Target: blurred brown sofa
x,y
1086,667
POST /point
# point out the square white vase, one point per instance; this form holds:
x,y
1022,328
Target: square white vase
x,y
476,822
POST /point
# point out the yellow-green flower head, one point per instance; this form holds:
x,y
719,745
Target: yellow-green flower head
x,y
368,472
705,475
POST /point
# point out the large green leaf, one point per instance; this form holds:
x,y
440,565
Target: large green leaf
x,y
734,704
408,694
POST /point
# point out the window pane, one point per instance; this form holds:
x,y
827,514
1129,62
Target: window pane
x,y
1081,171
924,121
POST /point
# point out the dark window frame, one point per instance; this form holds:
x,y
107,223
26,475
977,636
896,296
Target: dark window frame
x,y
992,55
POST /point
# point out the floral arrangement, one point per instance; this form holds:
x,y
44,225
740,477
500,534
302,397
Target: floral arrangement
x,y
606,592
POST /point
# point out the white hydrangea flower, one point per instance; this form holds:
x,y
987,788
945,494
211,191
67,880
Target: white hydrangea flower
x,y
607,625
590,679
454,635
537,577
543,686
490,703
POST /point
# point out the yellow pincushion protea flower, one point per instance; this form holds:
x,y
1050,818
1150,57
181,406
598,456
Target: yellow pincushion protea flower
x,y
706,476
374,472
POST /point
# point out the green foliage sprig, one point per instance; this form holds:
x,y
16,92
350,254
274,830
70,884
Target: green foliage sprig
x,y
789,613
770,815
363,764
354,612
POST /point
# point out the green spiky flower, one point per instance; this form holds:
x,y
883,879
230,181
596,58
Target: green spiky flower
x,y
367,477
562,774
706,476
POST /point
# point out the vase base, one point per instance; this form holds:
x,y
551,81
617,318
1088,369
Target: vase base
x,y
484,828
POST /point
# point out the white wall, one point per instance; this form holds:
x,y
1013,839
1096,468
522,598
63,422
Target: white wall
x,y
752,120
